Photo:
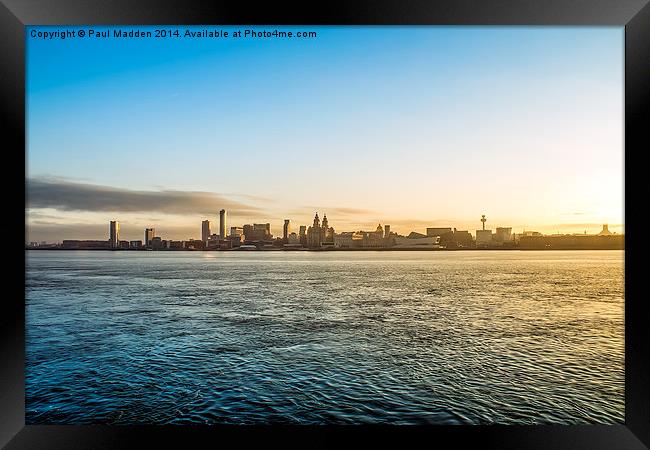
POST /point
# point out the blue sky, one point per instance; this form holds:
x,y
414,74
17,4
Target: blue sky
x,y
404,125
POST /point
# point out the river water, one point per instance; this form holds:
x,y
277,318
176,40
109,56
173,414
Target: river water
x,y
465,337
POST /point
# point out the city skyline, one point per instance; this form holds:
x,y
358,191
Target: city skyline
x,y
412,126
289,227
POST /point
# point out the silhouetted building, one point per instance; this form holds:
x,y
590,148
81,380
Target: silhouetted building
x,y
302,235
318,234
257,232
135,244
114,233
222,224
503,235
349,239
438,231
483,236
194,244
315,234
205,230
156,243
286,229
416,235
149,234
569,242
213,242
463,239
420,241
85,244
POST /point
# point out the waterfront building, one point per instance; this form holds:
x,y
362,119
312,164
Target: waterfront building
x,y
175,245
236,241
212,242
114,233
483,236
302,235
149,234
286,229
348,239
374,238
328,232
205,230
438,231
416,242
293,239
222,224
156,243
314,234
463,239
84,244
416,235
257,232
135,244
320,234
193,244
503,235
575,241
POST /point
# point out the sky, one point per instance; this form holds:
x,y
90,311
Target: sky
x,y
408,126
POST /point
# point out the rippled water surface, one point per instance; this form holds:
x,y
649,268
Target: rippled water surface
x,y
334,337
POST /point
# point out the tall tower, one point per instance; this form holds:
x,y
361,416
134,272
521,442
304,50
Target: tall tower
x,y
325,223
483,219
222,224
114,233
286,230
303,234
205,230
316,221
149,234
386,231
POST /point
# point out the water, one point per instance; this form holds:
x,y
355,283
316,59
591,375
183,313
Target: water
x,y
338,337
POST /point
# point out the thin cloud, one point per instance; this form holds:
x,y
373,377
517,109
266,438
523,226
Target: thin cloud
x,y
66,195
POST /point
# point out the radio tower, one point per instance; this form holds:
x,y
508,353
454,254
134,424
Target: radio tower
x,y
483,219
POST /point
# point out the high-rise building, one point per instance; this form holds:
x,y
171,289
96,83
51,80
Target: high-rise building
x,y
205,230
286,230
222,224
114,234
386,231
149,234
302,235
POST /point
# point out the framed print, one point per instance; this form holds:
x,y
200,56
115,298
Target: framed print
x,y
363,220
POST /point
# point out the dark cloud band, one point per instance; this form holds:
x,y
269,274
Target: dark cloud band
x,y
65,195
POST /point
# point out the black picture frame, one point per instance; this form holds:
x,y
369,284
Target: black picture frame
x,y
15,15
